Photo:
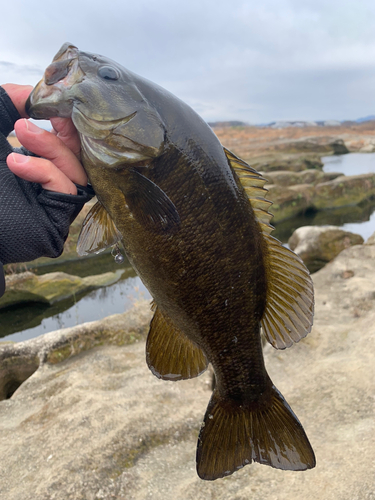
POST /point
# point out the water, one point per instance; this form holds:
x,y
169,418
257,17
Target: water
x,y
120,297
22,323
351,164
30,320
358,219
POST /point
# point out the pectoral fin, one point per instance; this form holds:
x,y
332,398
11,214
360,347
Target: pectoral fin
x,y
149,204
170,354
98,231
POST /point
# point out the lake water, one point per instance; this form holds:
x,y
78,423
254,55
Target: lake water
x,y
26,322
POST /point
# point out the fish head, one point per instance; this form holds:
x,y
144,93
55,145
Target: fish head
x,y
116,123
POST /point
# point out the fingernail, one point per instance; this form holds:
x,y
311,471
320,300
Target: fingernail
x,y
33,128
17,158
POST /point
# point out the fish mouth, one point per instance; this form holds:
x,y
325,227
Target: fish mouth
x,y
98,129
47,99
101,124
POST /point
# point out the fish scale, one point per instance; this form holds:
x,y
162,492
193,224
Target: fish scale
x,y
194,222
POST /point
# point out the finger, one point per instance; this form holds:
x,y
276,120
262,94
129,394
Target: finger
x,y
66,131
42,171
52,148
18,95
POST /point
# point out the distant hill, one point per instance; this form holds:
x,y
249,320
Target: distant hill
x,y
292,123
366,119
228,124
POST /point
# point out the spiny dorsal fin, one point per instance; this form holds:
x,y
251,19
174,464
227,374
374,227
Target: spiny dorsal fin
x,y
170,355
289,310
253,183
98,231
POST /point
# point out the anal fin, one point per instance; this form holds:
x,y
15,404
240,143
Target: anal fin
x,y
170,355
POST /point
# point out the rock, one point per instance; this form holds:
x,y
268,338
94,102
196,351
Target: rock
x,y
322,145
99,425
19,361
344,190
361,144
288,162
309,176
317,245
289,201
52,287
371,240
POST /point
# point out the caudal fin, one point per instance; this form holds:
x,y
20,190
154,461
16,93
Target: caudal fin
x,y
234,435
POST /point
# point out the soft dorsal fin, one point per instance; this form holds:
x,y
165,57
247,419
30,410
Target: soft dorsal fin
x,y
289,309
170,355
289,312
98,231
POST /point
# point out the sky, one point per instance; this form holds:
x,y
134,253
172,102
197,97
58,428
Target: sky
x,y
248,60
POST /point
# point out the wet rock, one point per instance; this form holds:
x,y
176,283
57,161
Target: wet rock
x,y
344,190
99,425
287,162
18,361
52,287
289,201
317,245
310,176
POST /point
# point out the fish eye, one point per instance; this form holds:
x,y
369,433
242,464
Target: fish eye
x,y
108,73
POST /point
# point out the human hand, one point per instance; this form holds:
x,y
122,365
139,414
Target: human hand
x,y
59,168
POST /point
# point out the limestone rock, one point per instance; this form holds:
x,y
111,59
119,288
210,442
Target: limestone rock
x,y
99,425
371,240
288,162
309,176
361,144
344,190
317,245
52,287
289,201
19,361
322,145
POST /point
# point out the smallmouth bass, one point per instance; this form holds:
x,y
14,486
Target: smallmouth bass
x,y
194,223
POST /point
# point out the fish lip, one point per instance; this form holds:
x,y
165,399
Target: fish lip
x,y
102,125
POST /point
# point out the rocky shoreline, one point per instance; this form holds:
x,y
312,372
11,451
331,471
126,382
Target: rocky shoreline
x,y
93,423
83,418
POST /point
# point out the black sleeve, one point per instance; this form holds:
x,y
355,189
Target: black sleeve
x,y
33,222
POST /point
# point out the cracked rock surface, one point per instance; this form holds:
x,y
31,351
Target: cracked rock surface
x,y
95,424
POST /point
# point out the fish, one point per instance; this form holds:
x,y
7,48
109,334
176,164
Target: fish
x,y
193,219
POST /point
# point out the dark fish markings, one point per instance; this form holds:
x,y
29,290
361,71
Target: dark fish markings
x,y
194,222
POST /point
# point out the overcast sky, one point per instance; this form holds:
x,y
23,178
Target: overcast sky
x,y
249,60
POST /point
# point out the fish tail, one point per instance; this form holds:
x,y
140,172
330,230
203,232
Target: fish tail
x,y
235,434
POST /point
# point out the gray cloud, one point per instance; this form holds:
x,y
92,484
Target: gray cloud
x,y
239,59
